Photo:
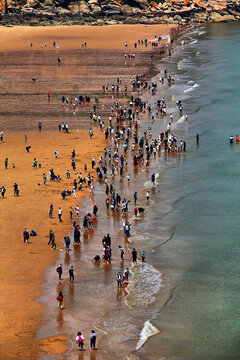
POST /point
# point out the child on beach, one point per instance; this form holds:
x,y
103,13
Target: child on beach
x,y
80,340
93,338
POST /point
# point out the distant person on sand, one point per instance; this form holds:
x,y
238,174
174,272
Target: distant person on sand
x,y
3,190
71,274
59,270
50,211
6,163
60,214
16,189
134,255
40,126
80,340
26,236
143,256
93,338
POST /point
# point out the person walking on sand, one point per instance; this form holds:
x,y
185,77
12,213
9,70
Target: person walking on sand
x,y
71,212
60,300
143,256
56,154
40,126
59,270
134,255
93,338
60,214
80,340
71,274
6,163
3,190
51,235
50,211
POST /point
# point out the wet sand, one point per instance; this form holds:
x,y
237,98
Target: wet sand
x,y
83,71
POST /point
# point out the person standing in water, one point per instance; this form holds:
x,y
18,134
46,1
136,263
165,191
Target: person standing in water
x,y
60,300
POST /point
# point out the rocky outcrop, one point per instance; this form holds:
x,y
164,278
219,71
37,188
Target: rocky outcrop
x,y
98,12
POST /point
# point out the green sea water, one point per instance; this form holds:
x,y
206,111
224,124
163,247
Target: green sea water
x,y
201,319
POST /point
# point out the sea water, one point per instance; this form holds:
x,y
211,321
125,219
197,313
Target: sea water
x,y
193,226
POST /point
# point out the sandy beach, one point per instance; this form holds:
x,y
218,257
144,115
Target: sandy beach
x,y
23,265
101,37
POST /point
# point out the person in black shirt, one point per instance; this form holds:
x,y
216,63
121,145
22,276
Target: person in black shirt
x,y
134,255
71,273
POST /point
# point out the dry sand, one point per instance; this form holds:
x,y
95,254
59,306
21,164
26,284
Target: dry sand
x,y
22,265
101,37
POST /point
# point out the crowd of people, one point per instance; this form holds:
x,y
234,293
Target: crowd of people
x,y
128,147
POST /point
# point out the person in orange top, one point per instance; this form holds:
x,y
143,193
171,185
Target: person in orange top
x,y
237,138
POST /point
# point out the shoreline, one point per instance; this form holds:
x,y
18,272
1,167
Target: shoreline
x,y
68,324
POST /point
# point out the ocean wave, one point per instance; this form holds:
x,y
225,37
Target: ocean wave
x,y
191,88
202,33
148,330
145,283
193,42
185,64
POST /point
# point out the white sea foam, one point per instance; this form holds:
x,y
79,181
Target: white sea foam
x,y
148,330
202,32
145,283
191,88
193,42
181,120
